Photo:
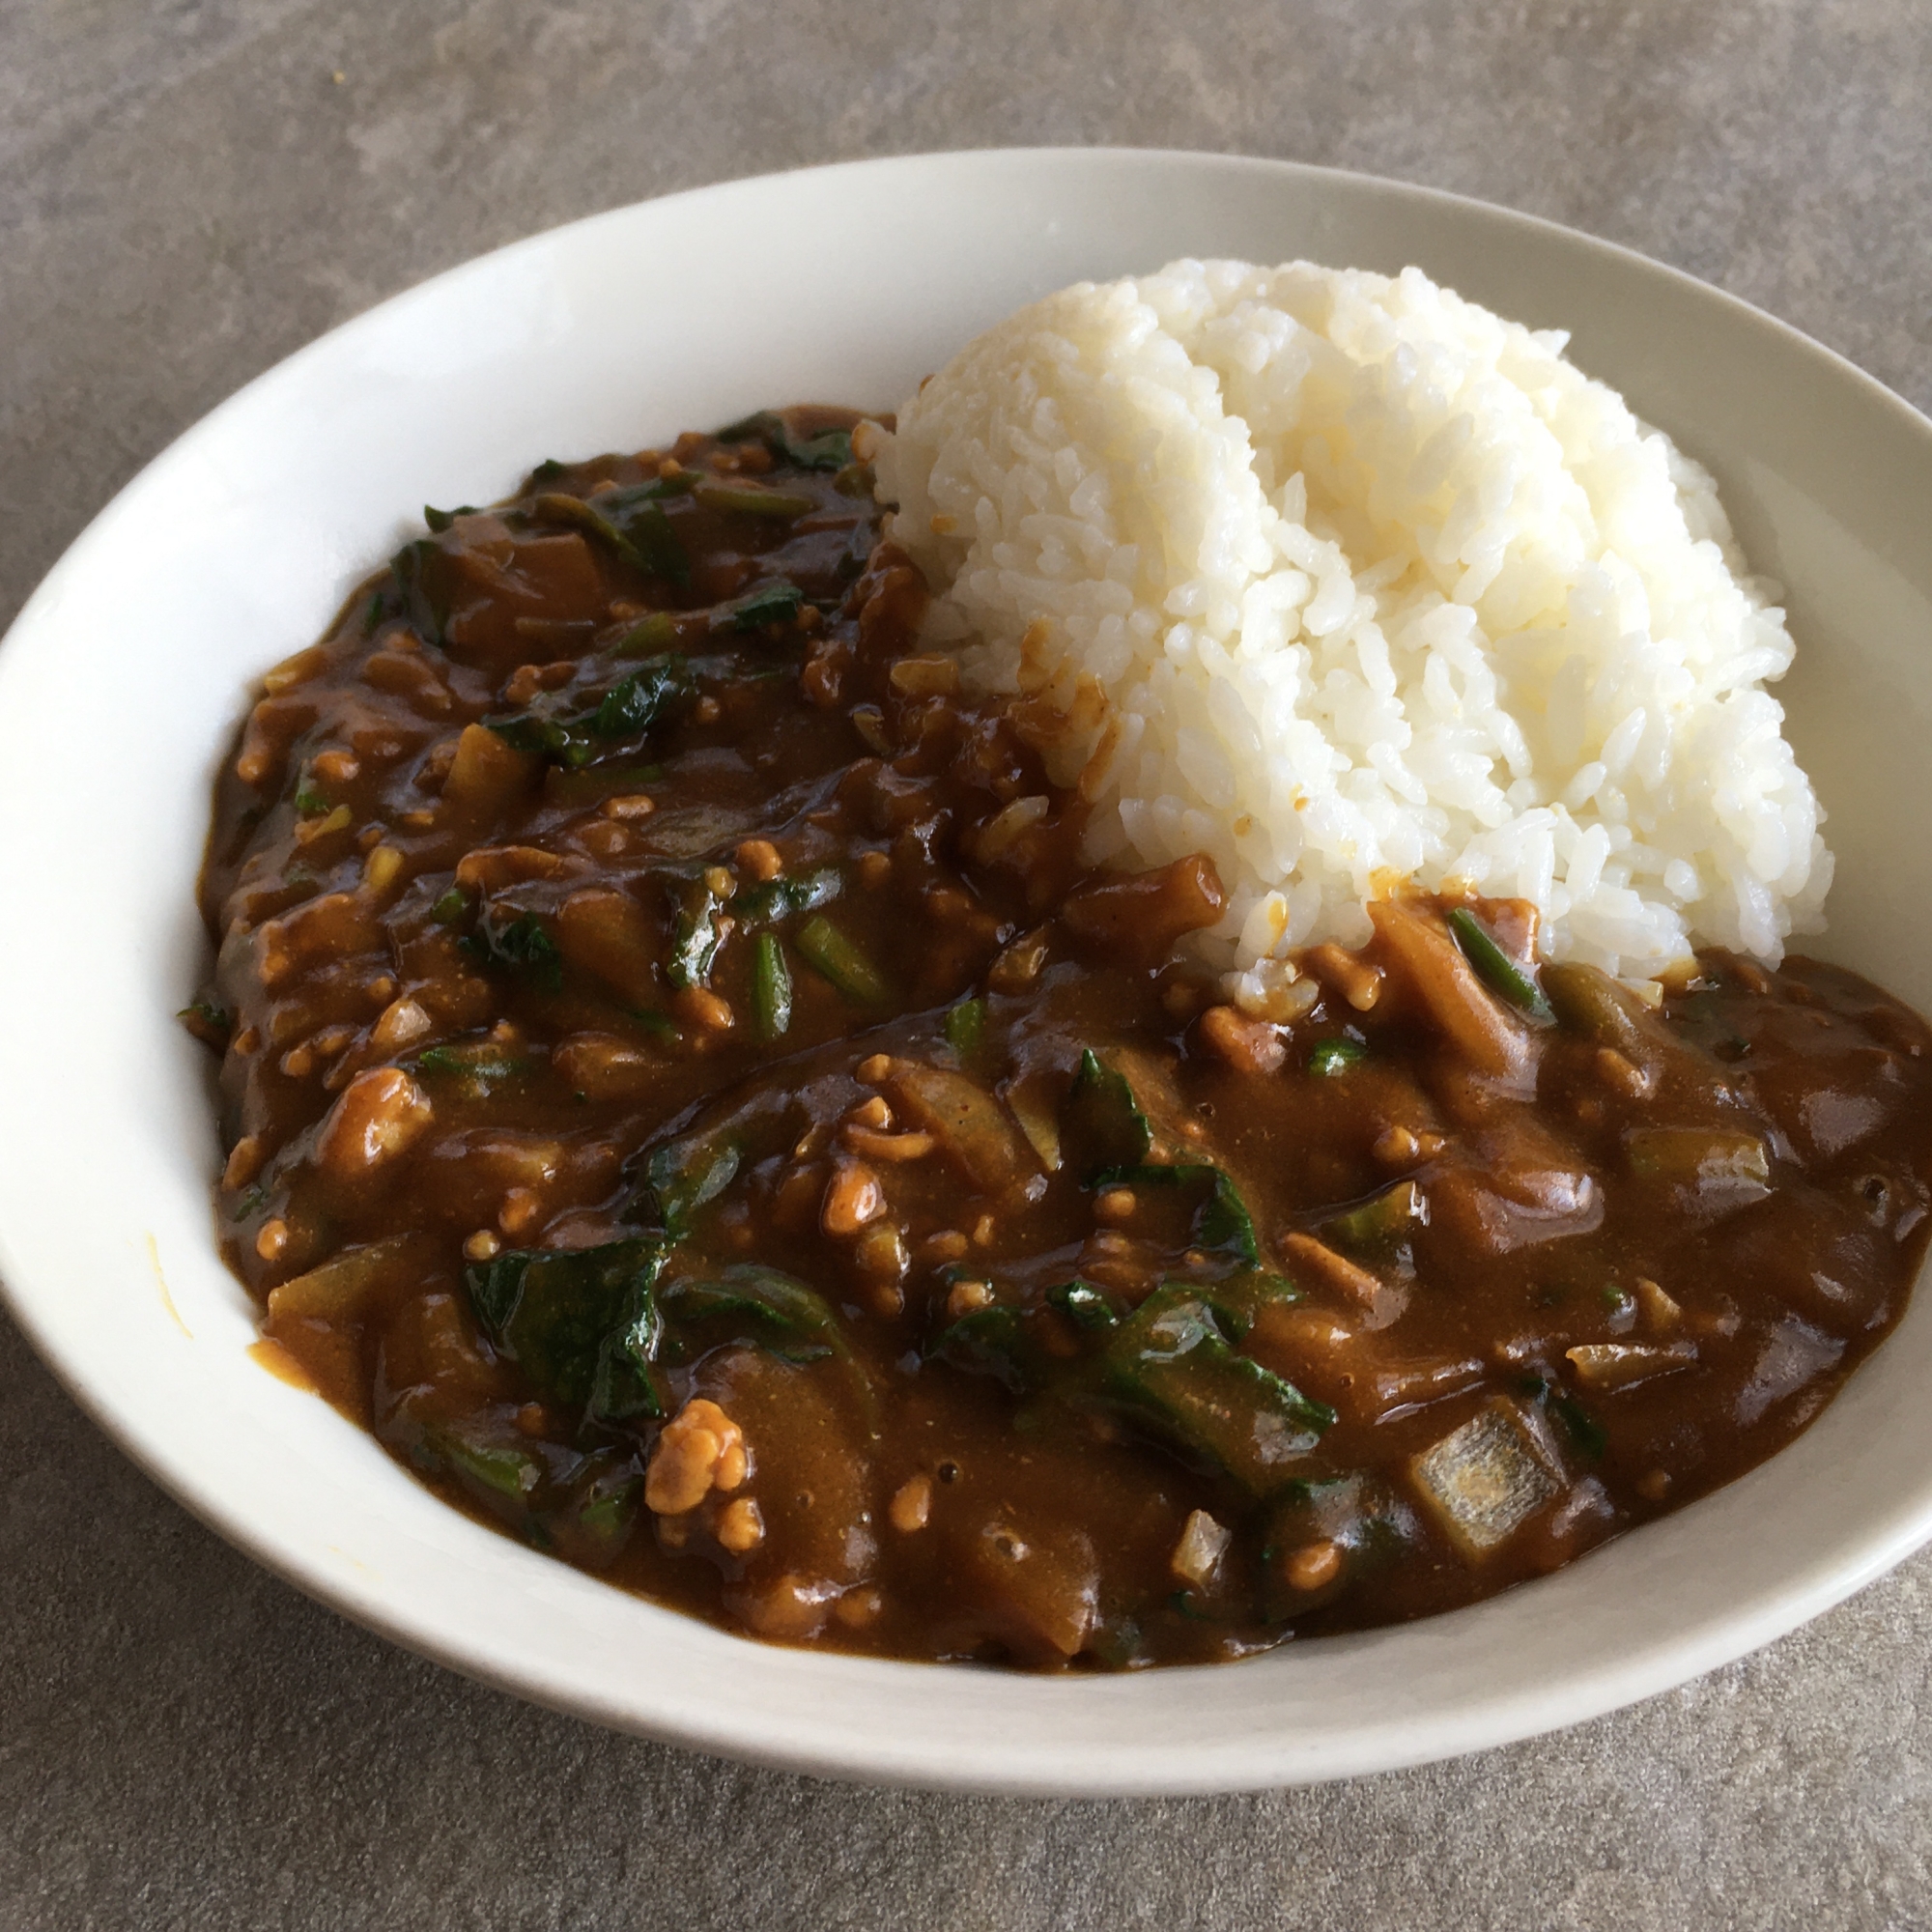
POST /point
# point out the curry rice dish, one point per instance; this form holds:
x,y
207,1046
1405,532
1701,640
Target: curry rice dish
x,y
691,1093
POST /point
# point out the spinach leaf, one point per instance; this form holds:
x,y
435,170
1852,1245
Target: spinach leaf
x,y
996,1341
420,572
965,1028
209,1023
649,636
649,533
1170,1366
771,987
764,1308
841,959
1222,1219
1327,1058
775,900
476,1067
544,727
746,498
776,603
747,1302
603,1509
1240,1299
1384,1218
250,1204
636,705
638,532
521,943
1017,1349
1496,968
830,449
1101,1124
1364,1517
1587,1435
697,930
500,1474
681,1177
584,1507
571,737
1083,1304
582,1323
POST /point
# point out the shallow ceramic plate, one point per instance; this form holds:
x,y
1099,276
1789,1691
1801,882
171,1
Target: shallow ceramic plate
x,y
123,681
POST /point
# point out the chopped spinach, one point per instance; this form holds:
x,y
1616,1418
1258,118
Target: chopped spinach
x,y
997,1342
1102,1126
1171,1366
604,1499
1327,1058
776,603
1363,1517
582,1323
631,525
830,449
1382,1219
655,543
1221,1221
571,736
1238,1299
506,1472
965,1028
521,943
649,636
656,1022
771,987
752,499
843,962
636,705
250,1204
1496,968
588,1326
698,928
1083,1304
420,572
210,1024
1587,1435
681,1176
746,1302
476,1069
774,901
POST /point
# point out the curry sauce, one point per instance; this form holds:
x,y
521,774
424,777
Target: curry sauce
x,y
687,1094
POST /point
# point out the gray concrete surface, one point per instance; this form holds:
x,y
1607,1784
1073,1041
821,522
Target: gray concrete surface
x,y
192,188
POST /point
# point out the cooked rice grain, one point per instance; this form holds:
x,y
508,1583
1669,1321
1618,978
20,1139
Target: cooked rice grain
x,y
1346,581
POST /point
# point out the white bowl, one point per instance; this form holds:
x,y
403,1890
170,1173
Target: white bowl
x,y
123,681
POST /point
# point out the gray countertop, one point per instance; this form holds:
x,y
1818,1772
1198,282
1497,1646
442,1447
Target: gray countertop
x,y
190,190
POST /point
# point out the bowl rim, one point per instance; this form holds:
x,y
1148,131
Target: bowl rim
x,y
915,1759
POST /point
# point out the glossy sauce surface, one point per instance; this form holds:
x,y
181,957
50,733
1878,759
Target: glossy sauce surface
x,y
687,1096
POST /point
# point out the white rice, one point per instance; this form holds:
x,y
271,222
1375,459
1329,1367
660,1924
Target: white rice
x,y
1345,580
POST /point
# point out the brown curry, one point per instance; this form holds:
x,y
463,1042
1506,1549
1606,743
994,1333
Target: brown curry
x,y
686,1096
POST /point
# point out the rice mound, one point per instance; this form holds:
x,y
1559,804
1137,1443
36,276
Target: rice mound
x,y
1347,582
